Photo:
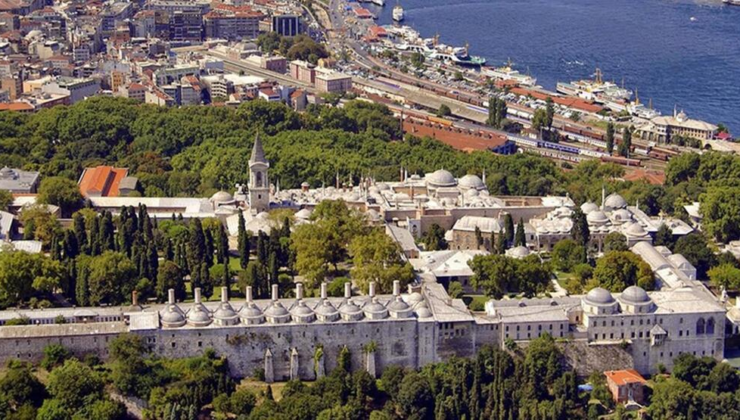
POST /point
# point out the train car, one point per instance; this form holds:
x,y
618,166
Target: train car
x,y
525,142
560,147
621,160
440,121
593,153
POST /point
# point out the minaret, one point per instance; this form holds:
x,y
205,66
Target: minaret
x,y
259,186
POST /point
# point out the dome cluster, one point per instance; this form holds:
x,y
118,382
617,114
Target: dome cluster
x,y
300,311
633,299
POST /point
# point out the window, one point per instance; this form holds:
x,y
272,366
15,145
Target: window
x,y
680,333
710,326
200,344
700,326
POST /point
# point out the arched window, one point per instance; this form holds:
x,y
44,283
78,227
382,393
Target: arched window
x,y
700,326
258,180
710,326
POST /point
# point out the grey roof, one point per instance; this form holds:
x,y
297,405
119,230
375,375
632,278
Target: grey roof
x,y
128,183
17,180
634,294
599,296
258,153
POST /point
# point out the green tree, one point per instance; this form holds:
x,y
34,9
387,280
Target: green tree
x,y
434,240
444,111
566,254
549,112
377,258
60,192
609,138
111,278
664,237
509,228
720,208
170,276
580,231
626,144
521,237
74,384
18,387
615,241
455,289
6,199
243,240
54,355
696,249
23,274
725,276
618,269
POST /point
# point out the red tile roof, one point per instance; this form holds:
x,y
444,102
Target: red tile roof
x,y
624,377
16,106
102,181
567,101
652,177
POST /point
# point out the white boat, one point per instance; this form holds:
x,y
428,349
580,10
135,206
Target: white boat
x,y
596,90
380,3
507,72
457,56
398,14
731,2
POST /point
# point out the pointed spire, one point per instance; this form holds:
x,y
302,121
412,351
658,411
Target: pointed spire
x,y
258,153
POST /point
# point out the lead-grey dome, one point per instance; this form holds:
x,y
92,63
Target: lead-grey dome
x,y
519,252
222,197
225,312
635,294
599,296
349,308
199,316
588,207
636,230
472,182
441,178
250,311
172,316
325,308
597,217
7,173
276,310
615,201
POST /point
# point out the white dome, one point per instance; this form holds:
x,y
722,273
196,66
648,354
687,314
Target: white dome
x,y
588,207
622,215
519,252
222,197
635,294
615,201
441,178
471,193
472,182
597,217
599,296
636,230
303,214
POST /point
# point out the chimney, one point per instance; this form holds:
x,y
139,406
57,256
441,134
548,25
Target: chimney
x,y
249,294
274,292
224,295
323,291
171,296
135,298
299,291
197,295
348,290
372,289
396,288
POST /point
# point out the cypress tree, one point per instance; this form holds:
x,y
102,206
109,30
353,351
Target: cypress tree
x,y
82,292
94,236
208,242
206,281
226,281
273,268
501,245
152,260
509,226
71,248
80,232
243,242
262,248
609,138
168,252
29,230
521,237
223,243
579,231
197,246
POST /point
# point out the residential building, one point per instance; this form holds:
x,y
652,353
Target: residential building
x,y
333,82
102,181
627,386
18,181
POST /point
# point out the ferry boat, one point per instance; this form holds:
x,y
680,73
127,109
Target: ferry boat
x,y
596,90
380,3
456,55
398,14
731,2
507,72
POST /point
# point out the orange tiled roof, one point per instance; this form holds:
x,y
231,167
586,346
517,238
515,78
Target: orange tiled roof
x,y
624,377
102,181
652,177
16,106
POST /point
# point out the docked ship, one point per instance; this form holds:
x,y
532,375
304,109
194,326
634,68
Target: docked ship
x,y
596,90
731,2
398,14
507,72
636,108
456,55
